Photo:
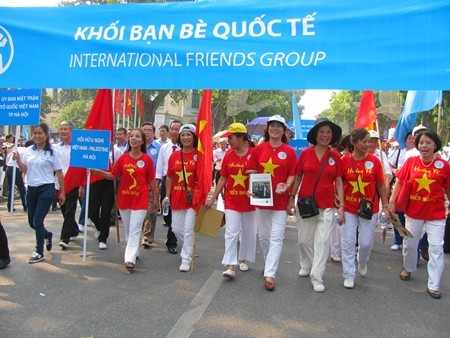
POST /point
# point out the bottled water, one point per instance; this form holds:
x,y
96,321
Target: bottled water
x,y
166,206
383,220
336,217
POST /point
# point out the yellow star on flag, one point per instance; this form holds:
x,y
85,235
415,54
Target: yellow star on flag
x,y
180,175
424,183
239,179
269,167
361,184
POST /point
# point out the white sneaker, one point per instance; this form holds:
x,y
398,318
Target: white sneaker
x,y
318,286
185,267
362,269
349,283
396,247
229,274
81,227
304,272
336,259
243,267
102,246
97,234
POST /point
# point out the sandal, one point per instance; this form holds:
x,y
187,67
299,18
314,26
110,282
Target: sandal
x,y
434,294
405,275
129,266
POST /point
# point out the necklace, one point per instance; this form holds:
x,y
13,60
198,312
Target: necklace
x,y
426,166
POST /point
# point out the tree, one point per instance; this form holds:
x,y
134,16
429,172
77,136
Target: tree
x,y
46,103
76,111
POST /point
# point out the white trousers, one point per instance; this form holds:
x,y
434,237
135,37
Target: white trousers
x,y
365,242
240,226
183,222
314,242
435,230
132,225
335,239
271,225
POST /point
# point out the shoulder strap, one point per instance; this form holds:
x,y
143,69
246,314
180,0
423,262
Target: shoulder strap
x,y
320,172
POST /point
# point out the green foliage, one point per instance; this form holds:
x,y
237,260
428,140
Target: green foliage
x,y
46,103
76,111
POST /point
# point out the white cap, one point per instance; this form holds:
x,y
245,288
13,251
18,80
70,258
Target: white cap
x,y
187,127
374,134
276,118
420,127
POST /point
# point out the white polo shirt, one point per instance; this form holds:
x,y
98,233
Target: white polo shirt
x,y
40,165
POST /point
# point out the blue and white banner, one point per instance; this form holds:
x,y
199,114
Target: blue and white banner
x,y
21,107
252,44
90,149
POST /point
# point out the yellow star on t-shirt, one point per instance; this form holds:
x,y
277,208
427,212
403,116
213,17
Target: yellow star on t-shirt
x,y
239,179
424,183
180,175
269,167
361,184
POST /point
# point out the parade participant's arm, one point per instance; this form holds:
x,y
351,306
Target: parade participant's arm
x,y
103,173
154,191
219,188
23,168
62,192
384,197
339,187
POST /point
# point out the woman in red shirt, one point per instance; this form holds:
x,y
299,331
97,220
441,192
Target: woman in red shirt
x,y
180,182
429,177
135,168
314,232
363,179
276,157
239,214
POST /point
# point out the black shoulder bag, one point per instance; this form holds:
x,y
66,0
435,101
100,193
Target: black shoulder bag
x,y
308,207
190,193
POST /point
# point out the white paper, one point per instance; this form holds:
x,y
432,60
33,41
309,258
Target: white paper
x,y
261,190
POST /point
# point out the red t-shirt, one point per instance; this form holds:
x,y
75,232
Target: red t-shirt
x,y
134,184
237,185
280,163
368,173
426,200
178,195
309,167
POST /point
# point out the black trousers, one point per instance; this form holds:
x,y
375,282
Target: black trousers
x,y
4,249
18,183
447,235
171,238
101,202
68,210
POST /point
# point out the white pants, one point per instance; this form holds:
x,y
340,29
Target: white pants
x,y
183,222
365,241
240,226
271,225
335,239
132,224
314,242
435,230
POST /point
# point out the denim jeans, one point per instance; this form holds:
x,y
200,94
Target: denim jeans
x,y
39,200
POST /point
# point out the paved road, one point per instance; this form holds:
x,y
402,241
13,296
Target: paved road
x,y
66,297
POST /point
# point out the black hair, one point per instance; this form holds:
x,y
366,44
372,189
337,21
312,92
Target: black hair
x,y
123,130
284,138
164,126
148,124
246,138
143,146
45,129
356,135
195,139
432,135
175,121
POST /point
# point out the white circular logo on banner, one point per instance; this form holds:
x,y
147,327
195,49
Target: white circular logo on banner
x,y
331,161
6,50
282,155
369,165
140,164
439,164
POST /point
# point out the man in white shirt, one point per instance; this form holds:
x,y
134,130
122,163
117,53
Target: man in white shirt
x,y
163,134
218,155
121,140
373,149
161,171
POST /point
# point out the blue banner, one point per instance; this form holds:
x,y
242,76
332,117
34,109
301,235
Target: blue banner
x,y
90,149
253,44
21,107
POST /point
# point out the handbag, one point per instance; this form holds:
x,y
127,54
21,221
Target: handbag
x,y
308,207
402,201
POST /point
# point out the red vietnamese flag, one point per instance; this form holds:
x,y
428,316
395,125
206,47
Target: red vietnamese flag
x,y
204,161
128,103
367,112
140,104
118,101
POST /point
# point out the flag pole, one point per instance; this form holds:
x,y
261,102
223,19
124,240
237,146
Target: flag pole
x,y
88,188
439,128
124,107
12,189
116,211
379,145
135,109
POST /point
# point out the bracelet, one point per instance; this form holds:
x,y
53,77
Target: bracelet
x,y
385,205
292,196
